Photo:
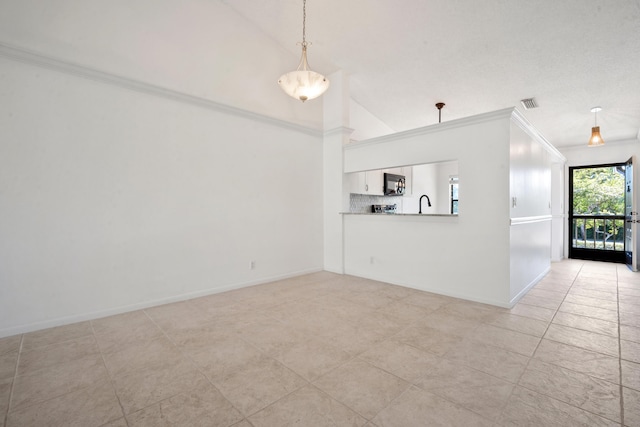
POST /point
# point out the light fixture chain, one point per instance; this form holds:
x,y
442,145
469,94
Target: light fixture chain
x,y
304,22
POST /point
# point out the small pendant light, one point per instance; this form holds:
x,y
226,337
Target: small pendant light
x,y
596,138
303,84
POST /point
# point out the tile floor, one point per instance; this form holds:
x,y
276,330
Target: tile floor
x,y
330,350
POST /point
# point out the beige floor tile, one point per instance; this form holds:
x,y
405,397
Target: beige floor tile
x,y
588,311
631,319
142,355
583,339
291,310
10,344
488,359
202,337
630,374
522,324
628,310
395,292
479,392
592,293
92,406
404,312
630,333
116,332
38,386
631,407
528,408
428,300
176,316
630,351
258,384
312,358
549,294
272,337
447,322
54,354
307,406
428,339
352,338
550,304
508,340
5,391
371,300
56,335
471,311
379,323
592,302
601,283
577,389
418,408
120,422
363,340
400,359
202,405
625,289
629,298
362,387
225,357
533,312
586,323
580,360
8,362
141,388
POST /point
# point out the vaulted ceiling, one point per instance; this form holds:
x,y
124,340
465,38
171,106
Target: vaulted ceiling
x,y
401,56
476,56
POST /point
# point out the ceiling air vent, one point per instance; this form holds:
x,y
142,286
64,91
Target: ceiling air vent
x,y
529,103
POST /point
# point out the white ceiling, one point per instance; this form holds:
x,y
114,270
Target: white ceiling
x,y
476,56
402,56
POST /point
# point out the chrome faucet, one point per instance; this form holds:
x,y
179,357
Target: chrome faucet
x,y
428,202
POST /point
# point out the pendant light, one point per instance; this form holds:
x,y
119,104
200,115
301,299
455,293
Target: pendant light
x,y
303,84
596,138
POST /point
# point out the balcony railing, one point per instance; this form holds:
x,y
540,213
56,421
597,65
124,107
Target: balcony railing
x,y
600,232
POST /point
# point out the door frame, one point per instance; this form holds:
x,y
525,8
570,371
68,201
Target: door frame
x,y
582,253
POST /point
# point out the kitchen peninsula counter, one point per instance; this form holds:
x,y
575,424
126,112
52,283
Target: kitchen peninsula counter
x,y
398,214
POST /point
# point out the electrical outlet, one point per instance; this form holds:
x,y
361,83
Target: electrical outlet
x,y
252,265
371,260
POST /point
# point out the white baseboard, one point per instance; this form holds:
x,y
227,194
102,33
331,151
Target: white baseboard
x,y
60,321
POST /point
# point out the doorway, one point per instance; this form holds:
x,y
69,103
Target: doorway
x,y
597,214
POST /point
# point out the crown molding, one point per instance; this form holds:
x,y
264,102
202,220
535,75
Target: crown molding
x,y
340,130
63,66
438,127
524,124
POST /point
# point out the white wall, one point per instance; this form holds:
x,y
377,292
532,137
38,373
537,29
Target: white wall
x,y
364,124
465,256
113,199
530,211
200,48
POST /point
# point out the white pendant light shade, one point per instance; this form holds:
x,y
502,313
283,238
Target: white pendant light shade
x,y
303,84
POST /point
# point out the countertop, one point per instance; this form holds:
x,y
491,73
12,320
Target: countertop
x,y
397,214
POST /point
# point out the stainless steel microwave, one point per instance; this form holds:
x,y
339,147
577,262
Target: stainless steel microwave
x,y
394,185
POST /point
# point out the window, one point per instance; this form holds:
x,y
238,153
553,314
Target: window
x,y
453,194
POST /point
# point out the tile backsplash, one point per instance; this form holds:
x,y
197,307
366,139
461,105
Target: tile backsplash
x,y
361,203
